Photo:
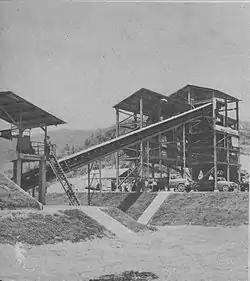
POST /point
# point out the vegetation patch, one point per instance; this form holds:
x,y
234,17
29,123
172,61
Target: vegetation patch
x,y
126,220
13,197
99,199
37,228
15,200
128,276
133,204
208,209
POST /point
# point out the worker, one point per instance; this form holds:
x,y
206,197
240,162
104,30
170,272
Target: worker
x,y
146,185
155,185
48,148
134,186
113,185
140,186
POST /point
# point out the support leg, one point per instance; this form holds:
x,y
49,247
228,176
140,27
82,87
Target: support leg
x,y
42,181
17,171
89,184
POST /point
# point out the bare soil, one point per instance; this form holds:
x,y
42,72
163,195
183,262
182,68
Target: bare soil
x,y
190,253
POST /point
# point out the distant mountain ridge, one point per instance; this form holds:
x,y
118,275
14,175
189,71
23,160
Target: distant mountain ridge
x,y
69,141
60,137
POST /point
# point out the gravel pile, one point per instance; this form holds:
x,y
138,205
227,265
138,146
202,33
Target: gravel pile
x,y
128,276
37,228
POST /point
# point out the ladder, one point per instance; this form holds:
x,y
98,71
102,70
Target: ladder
x,y
61,176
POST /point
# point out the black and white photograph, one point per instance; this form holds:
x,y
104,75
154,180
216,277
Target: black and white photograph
x,y
124,140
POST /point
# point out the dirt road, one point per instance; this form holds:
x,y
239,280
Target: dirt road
x,y
172,253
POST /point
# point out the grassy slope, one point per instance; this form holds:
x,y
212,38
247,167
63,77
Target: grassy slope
x,y
209,209
38,228
107,199
12,197
125,219
134,204
16,200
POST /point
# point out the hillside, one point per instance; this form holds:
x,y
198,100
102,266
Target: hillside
x,y
62,137
70,141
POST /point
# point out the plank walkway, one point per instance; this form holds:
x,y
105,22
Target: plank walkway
x,y
102,218
148,214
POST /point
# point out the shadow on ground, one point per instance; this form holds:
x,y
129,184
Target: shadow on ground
x,y
128,201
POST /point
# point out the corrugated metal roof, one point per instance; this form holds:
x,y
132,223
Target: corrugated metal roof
x,y
151,99
14,109
203,90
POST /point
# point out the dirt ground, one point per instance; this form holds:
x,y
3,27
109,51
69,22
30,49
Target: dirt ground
x,y
172,253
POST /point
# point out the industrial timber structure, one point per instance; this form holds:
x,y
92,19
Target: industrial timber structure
x,y
209,144
24,116
193,131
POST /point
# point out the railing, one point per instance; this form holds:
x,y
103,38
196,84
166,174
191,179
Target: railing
x,y
39,148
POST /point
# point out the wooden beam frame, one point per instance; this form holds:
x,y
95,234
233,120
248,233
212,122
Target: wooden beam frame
x,y
214,142
141,144
117,153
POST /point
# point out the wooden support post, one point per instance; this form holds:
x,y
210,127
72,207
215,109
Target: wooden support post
x,y
237,115
100,174
189,95
33,191
160,142
17,171
141,144
190,137
184,150
45,140
190,150
89,184
214,143
228,157
238,169
117,153
227,141
237,128
18,162
168,178
160,155
137,150
42,180
225,123
153,170
148,159
226,113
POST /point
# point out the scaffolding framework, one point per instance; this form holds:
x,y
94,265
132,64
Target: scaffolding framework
x,y
24,116
210,143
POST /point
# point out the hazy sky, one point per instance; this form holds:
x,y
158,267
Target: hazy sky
x,y
79,59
